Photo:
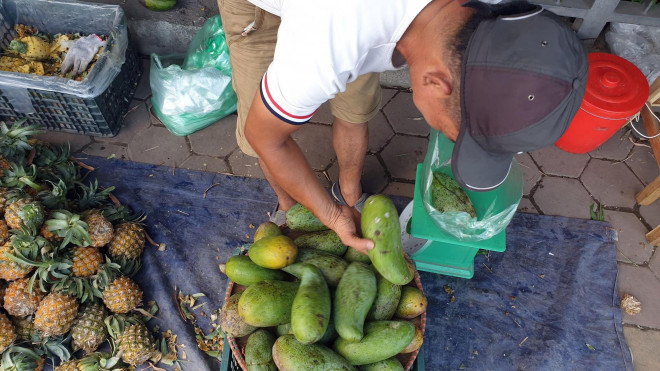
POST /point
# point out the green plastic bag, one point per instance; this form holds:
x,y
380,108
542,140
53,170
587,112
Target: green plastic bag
x,y
192,93
494,208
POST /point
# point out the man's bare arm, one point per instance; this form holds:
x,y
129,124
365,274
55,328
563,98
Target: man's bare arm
x,y
271,138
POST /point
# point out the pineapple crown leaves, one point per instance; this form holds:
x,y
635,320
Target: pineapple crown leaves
x,y
27,248
100,362
14,139
56,347
18,177
70,227
56,197
68,172
51,273
108,271
49,155
79,287
18,358
128,267
122,214
92,197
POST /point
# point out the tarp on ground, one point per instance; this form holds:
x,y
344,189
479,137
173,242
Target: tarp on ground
x,y
549,302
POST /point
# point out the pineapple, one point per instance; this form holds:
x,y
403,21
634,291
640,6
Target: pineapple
x,y
122,295
134,343
18,299
54,198
100,229
91,197
24,213
56,314
71,365
4,231
128,241
67,225
7,332
48,235
89,330
86,261
31,47
9,269
102,362
24,326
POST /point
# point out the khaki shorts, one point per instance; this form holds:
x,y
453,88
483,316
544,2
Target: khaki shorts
x,y
252,54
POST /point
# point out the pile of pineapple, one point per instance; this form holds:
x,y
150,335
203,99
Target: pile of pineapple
x,y
68,250
33,52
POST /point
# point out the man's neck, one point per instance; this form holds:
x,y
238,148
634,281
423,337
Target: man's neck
x,y
436,24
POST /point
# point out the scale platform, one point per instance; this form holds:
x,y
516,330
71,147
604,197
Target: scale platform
x,y
435,251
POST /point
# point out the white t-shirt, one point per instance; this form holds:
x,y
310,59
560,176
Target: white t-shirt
x,y
322,45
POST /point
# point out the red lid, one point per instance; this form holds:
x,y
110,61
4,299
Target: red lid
x,y
616,88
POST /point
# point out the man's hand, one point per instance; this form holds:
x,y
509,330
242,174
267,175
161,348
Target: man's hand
x,y
345,223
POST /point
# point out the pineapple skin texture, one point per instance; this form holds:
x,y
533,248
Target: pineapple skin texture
x,y
89,330
122,295
18,300
86,261
9,269
7,333
101,230
137,344
56,314
128,241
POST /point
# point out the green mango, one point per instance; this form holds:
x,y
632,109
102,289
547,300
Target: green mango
x,y
258,351
290,354
299,218
327,241
382,340
267,303
353,298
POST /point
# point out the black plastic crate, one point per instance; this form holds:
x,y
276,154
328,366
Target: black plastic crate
x,y
98,116
62,109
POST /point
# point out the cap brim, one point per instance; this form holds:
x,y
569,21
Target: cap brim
x,y
477,169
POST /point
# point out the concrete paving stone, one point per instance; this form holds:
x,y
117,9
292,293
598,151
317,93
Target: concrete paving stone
x,y
205,163
323,115
554,161
641,283
400,189
531,172
325,183
158,146
631,246
143,90
526,206
654,264
244,165
155,121
651,213
380,132
563,197
315,141
402,154
76,141
217,140
616,148
387,95
136,120
643,164
374,179
405,117
643,344
611,183
108,150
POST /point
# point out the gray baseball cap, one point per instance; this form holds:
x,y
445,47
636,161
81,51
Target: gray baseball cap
x,y
523,80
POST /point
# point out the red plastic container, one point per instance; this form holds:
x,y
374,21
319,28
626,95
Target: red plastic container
x,y
616,92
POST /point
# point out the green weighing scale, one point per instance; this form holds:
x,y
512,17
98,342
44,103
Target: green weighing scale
x,y
437,251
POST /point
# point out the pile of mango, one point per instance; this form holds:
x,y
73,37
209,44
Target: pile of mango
x,y
305,301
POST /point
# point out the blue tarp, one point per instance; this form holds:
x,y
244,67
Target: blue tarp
x,y
550,302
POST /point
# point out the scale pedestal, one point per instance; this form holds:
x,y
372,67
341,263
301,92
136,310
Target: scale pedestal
x,y
444,253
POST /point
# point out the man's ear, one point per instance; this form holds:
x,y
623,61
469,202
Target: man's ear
x,y
439,83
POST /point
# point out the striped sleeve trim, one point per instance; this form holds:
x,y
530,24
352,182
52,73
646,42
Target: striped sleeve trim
x,y
277,110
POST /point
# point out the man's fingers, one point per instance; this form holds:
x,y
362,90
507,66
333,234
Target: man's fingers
x,y
360,244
